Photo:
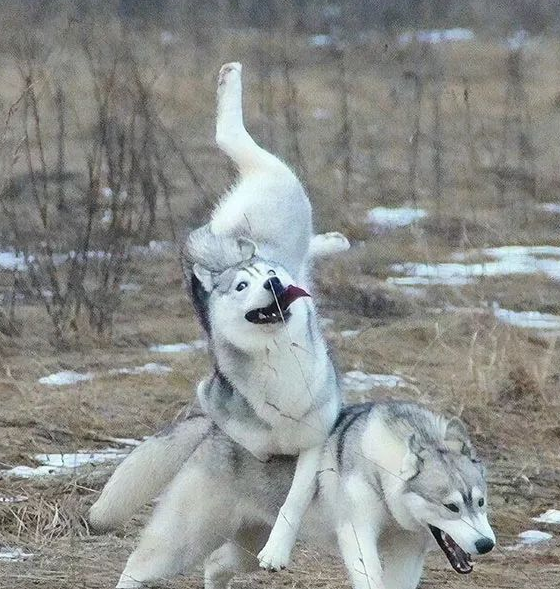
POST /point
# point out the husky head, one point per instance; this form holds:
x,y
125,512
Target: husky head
x,y
445,491
238,294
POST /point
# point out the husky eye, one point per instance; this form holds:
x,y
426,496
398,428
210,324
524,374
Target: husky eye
x,y
452,507
241,286
481,502
271,273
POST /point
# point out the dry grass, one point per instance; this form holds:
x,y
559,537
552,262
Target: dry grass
x,y
353,144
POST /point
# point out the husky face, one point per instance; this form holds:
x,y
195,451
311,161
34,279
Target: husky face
x,y
446,492
252,298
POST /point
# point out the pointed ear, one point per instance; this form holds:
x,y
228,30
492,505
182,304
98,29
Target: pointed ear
x,y
412,460
247,248
204,276
457,438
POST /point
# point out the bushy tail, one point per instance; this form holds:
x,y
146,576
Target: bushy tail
x,y
147,470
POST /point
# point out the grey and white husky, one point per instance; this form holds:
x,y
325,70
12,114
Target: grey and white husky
x,y
395,480
274,389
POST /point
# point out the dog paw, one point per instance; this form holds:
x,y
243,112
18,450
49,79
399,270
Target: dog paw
x,y
274,558
228,72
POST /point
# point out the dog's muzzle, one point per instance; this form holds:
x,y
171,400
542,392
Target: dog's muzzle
x,y
277,310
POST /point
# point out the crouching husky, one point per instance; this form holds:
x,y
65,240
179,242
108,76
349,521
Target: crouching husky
x,y
274,389
395,480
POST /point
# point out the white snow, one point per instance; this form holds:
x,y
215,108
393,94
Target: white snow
x,y
321,40
14,554
178,348
534,537
518,40
436,36
349,333
130,287
506,261
12,261
359,381
65,377
107,193
13,499
551,516
390,218
58,464
149,368
550,207
528,319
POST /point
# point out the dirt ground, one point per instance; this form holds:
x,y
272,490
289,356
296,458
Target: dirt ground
x,y
349,121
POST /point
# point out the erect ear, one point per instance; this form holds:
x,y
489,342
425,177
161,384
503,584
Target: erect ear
x,y
247,248
204,276
412,460
457,438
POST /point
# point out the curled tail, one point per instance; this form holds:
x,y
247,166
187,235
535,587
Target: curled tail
x,y
147,470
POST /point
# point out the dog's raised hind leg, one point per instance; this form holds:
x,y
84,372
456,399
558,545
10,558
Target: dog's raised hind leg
x,y
231,136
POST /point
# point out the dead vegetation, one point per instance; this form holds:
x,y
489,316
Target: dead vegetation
x,y
106,146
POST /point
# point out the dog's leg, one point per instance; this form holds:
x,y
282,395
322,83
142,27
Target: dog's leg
x,y
276,553
188,524
403,560
358,545
236,556
231,136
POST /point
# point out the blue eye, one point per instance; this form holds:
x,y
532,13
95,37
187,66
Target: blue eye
x,y
481,502
242,285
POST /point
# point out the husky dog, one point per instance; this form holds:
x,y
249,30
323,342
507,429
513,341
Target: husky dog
x,y
395,480
274,389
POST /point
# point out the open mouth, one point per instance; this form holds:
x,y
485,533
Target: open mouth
x,y
277,310
458,558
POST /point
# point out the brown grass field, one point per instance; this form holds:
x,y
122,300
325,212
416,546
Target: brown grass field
x,y
466,131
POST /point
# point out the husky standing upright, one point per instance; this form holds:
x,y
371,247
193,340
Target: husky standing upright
x,y
274,389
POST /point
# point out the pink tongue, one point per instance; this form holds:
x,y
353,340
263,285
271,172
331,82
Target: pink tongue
x,y
292,293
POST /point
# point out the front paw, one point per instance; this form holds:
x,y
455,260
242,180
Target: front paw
x,y
274,558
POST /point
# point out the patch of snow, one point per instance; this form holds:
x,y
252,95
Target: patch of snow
x,y
528,319
107,217
359,381
350,333
150,368
13,499
322,114
534,537
436,36
321,41
551,516
391,218
518,40
64,378
12,261
178,348
154,247
14,554
59,464
130,287
107,193
550,207
507,260
167,38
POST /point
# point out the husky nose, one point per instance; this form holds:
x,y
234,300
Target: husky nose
x,y
274,285
484,545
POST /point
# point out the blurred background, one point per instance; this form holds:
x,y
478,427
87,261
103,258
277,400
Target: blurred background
x,y
427,131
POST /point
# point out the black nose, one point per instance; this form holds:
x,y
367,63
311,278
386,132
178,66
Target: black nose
x,y
484,545
274,284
